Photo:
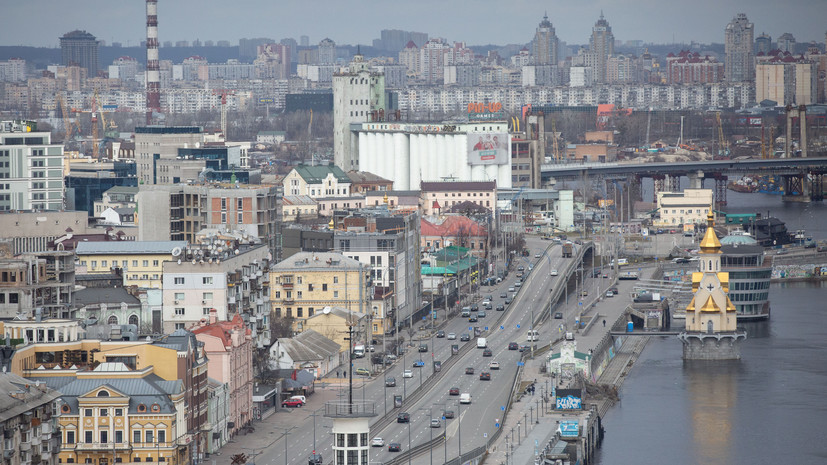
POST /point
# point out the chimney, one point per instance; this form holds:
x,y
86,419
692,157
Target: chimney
x,y
213,316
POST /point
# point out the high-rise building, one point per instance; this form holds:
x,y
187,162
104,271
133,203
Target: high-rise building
x,y
786,80
155,143
31,168
81,48
786,43
738,40
13,70
544,46
763,44
602,44
358,97
433,56
409,57
304,41
327,51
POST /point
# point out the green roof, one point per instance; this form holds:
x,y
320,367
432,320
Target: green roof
x,y
439,270
315,174
451,254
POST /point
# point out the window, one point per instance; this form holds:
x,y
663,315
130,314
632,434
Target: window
x,y
162,436
87,412
300,312
103,263
179,311
145,263
335,280
298,294
179,295
118,412
205,310
134,263
104,436
324,287
136,436
70,437
154,262
240,219
335,294
179,281
207,296
149,436
206,280
180,326
94,263
278,294
88,437
105,412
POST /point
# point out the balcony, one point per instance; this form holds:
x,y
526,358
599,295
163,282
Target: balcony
x,y
104,446
25,446
287,285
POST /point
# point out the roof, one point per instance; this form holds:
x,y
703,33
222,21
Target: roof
x,y
364,177
340,312
453,226
222,329
468,206
104,295
128,247
315,174
317,261
271,133
298,200
17,399
451,186
309,345
710,242
122,190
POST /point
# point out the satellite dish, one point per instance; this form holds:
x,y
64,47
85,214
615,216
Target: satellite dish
x,y
176,251
326,310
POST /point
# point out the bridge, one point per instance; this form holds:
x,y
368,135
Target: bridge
x,y
803,177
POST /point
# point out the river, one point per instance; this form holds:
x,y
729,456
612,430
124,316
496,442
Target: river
x,y
767,408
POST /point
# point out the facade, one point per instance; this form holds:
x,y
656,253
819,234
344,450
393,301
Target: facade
x,y
690,68
786,80
229,349
545,45
36,285
295,207
31,168
786,43
217,415
438,197
29,232
749,276
154,143
602,44
328,206
763,44
327,51
13,70
358,96
528,153
212,277
141,262
307,350
409,57
738,45
362,182
317,181
116,197
455,230
681,208
29,430
411,153
80,48
333,323
302,285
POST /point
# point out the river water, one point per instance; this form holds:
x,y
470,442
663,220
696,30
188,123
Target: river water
x,y
768,408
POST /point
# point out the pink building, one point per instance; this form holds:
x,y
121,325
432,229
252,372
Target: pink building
x,y
229,348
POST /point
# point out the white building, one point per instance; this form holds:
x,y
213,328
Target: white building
x,y
410,153
13,70
31,168
317,182
358,96
581,76
688,207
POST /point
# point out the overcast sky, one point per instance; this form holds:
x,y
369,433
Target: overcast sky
x,y
477,22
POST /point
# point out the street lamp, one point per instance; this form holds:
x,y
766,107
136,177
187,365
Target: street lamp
x,y
459,430
444,432
409,442
430,432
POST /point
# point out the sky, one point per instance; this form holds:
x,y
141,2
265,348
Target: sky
x,y
476,22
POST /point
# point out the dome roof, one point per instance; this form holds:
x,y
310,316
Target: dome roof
x,y
738,239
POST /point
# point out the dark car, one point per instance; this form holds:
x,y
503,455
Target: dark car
x,y
440,334
394,447
448,414
472,318
390,382
465,337
503,295
469,371
558,316
454,391
481,314
486,353
315,460
423,347
521,268
485,376
474,307
403,417
296,403
500,307
513,346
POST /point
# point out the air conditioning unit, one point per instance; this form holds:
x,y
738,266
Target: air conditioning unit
x,y
176,302
203,301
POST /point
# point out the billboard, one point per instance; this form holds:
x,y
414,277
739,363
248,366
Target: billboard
x,y
569,429
489,148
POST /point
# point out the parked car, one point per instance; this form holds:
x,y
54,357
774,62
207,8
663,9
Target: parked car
x,y
418,364
394,447
407,374
485,376
469,371
513,346
362,372
303,399
454,391
452,336
377,442
487,353
494,366
390,382
295,403
403,417
465,337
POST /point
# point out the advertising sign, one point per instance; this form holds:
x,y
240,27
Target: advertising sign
x,y
489,148
569,429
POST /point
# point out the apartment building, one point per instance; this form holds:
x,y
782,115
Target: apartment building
x,y
140,262
31,168
28,427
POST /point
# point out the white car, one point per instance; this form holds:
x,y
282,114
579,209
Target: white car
x,y
451,336
377,442
553,273
494,366
407,374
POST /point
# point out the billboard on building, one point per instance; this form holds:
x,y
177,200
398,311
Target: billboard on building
x,y
489,148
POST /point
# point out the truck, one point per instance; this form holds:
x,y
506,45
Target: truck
x,y
358,351
567,250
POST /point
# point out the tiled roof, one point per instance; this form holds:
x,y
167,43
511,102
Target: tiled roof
x,y
309,345
365,177
128,247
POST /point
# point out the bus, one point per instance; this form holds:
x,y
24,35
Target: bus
x,y
532,335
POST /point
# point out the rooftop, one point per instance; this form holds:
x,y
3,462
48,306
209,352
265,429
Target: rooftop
x,y
129,247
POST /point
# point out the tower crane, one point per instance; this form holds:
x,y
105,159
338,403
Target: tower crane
x,y
223,93
556,141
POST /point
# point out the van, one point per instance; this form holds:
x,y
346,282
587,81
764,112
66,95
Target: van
x,y
465,398
533,335
466,312
358,351
481,343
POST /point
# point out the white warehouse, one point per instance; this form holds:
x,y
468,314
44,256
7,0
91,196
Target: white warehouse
x,y
409,153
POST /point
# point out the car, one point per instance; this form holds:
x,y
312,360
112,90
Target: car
x,y
465,337
423,347
558,316
480,314
315,459
465,398
407,374
530,267
394,447
508,300
511,289
609,293
614,291
295,403
403,417
487,306
524,348
440,334
494,366
487,353
521,268
485,376
553,273
520,274
518,284
303,399
454,391
418,364
469,371
605,275
390,382
500,307
503,295
377,442
448,413
489,297
451,336
474,307
472,318
513,346
584,293
362,372
390,357
435,423
537,255
371,348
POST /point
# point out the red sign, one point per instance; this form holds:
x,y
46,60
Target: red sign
x,y
493,107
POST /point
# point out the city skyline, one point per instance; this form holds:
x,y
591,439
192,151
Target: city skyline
x,y
704,22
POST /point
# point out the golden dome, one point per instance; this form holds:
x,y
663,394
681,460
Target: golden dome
x,y
710,242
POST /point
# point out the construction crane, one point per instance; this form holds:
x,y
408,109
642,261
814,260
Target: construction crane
x,y
555,140
67,124
723,150
223,93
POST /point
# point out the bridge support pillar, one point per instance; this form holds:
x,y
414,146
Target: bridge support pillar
x,y
696,180
796,188
817,187
673,183
720,191
658,187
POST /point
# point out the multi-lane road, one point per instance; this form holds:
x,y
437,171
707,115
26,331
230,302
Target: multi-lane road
x,y
472,423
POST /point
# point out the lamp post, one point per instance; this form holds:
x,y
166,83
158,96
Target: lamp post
x,y
444,432
314,415
459,430
409,442
430,431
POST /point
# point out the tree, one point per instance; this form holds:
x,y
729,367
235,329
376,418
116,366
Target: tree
x,y
281,326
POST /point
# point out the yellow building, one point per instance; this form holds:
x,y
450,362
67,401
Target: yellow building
x,y
141,262
305,283
333,323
